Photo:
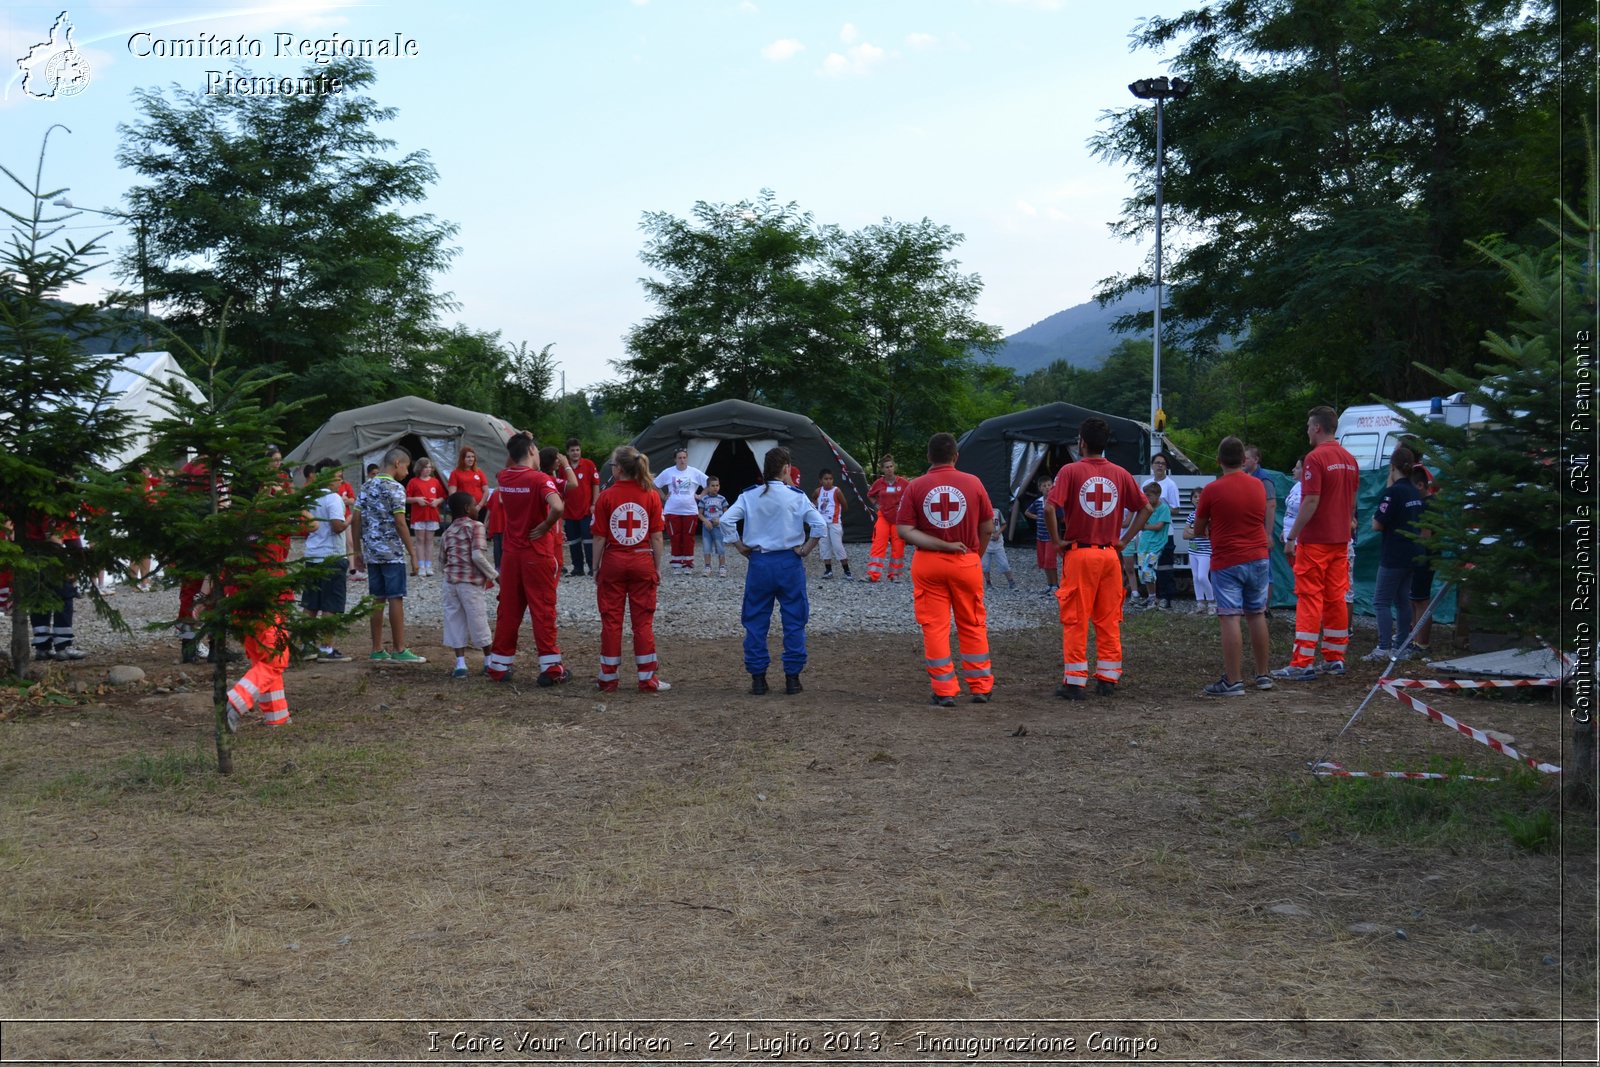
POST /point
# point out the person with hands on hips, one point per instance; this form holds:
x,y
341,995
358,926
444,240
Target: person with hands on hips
x,y
777,526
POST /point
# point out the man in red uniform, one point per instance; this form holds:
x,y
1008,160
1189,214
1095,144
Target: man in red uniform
x,y
530,501
947,514
1319,540
627,568
1094,493
579,503
885,494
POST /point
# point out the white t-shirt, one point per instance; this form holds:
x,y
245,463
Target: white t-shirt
x,y
1171,495
680,486
322,542
827,504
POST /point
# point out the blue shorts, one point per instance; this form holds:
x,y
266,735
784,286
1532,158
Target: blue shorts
x,y
1242,588
711,539
386,581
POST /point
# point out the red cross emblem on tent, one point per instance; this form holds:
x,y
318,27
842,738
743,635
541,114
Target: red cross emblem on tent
x,y
944,506
629,524
1097,497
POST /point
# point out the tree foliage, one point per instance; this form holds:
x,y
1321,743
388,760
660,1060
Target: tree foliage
x,y
1330,166
1500,521
289,210
56,421
872,330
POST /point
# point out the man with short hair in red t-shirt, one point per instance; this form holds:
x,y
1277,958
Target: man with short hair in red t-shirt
x,y
1319,540
580,501
1094,493
531,503
1232,511
947,514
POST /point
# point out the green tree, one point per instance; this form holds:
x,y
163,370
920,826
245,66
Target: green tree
x,y
290,211
55,419
741,313
1330,166
226,530
910,341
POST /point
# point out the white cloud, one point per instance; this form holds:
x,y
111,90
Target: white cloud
x,y
921,42
1027,209
747,7
857,60
849,34
782,49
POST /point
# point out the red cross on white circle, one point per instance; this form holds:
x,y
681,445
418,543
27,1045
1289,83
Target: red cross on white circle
x,y
629,524
944,506
1097,497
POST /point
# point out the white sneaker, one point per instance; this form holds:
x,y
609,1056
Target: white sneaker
x,y
1377,655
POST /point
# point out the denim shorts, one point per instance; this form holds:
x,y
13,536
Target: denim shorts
x,y
1242,588
386,581
711,539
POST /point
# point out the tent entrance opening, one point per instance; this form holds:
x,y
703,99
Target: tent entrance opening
x,y
734,464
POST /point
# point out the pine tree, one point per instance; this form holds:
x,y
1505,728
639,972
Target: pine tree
x,y
55,419
230,525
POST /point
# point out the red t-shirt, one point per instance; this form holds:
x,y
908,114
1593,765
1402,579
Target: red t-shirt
x,y
1329,473
1094,492
429,489
625,516
469,480
580,499
887,496
947,504
1236,504
524,499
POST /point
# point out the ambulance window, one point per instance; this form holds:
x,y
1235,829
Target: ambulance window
x,y
1363,446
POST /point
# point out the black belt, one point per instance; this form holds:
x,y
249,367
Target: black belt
x,y
1080,544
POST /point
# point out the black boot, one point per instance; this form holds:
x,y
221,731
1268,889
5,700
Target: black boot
x,y
791,684
758,684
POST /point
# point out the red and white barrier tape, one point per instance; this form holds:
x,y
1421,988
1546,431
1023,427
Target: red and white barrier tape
x,y
1467,683
1477,735
1335,770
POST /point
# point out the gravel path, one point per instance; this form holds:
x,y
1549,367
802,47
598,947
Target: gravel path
x,y
693,605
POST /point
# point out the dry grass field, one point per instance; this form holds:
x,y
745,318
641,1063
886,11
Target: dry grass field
x,y
471,859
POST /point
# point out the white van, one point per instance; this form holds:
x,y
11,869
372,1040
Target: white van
x,y
1370,432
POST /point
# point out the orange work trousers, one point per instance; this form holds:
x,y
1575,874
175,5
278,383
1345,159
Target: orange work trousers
x,y
887,546
1321,579
1091,592
262,685
945,584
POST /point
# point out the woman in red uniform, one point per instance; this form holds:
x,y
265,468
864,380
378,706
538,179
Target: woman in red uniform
x,y
628,539
424,492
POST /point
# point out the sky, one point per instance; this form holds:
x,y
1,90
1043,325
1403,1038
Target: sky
x,y
556,124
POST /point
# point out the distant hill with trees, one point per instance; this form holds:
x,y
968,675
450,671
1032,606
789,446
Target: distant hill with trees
x,y
1081,336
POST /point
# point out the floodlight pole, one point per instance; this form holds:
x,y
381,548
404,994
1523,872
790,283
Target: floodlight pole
x,y
1158,89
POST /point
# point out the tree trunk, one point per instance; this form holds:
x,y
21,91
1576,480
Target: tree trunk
x,y
219,697
1580,770
21,638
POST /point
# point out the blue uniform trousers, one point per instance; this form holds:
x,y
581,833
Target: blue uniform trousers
x,y
775,576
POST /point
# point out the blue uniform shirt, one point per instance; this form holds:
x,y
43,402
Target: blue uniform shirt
x,y
774,517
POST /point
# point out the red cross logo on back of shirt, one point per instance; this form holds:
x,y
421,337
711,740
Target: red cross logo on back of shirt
x,y
944,506
629,524
1097,497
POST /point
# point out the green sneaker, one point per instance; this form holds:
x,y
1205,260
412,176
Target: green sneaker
x,y
405,655
379,656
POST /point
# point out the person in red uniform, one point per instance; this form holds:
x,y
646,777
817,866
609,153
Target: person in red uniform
x,y
195,478
1319,541
266,646
424,492
887,546
580,502
947,514
1094,493
629,549
531,506
468,477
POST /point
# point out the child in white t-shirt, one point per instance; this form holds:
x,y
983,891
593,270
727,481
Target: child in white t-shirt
x,y
995,560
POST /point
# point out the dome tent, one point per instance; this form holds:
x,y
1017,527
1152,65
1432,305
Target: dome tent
x,y
361,436
731,438
1009,452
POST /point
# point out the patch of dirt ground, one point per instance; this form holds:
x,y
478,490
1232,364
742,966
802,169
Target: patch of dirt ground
x,y
577,875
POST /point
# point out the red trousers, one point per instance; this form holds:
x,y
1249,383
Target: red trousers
x,y
627,582
945,584
1091,592
1321,579
680,539
262,684
887,545
527,586
188,595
